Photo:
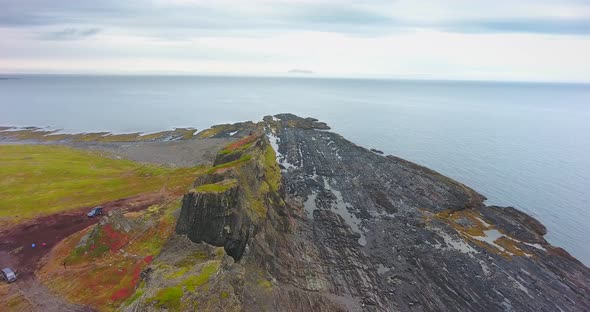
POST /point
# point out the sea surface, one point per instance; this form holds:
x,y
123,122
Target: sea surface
x,y
525,145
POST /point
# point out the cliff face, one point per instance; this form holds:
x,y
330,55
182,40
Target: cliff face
x,y
229,205
326,225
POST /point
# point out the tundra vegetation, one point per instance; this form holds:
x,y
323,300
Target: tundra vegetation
x,y
40,180
101,266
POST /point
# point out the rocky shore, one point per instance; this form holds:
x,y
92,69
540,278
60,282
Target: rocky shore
x,y
309,221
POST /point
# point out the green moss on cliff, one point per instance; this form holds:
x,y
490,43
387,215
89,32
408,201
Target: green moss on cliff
x,y
262,193
207,271
237,150
218,187
271,169
168,298
177,274
234,163
259,190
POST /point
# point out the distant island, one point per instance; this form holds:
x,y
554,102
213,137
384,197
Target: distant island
x,y
300,71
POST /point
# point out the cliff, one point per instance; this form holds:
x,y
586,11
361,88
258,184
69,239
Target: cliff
x,y
295,218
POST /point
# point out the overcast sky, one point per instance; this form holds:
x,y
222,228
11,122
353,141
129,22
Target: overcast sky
x,y
452,39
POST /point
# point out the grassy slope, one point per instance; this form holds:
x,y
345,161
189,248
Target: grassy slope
x,y
38,179
104,280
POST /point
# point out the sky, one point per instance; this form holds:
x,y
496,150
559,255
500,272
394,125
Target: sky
x,y
525,40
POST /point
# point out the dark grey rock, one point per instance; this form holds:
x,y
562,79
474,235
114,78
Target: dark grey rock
x,y
355,230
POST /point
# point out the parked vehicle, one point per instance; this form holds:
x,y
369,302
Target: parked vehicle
x,y
8,275
96,211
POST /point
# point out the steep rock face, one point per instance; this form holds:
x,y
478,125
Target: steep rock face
x,y
209,217
226,206
326,225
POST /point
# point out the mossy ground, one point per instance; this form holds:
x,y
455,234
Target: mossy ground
x,y
253,155
105,279
38,179
261,192
168,298
176,285
244,158
218,187
194,281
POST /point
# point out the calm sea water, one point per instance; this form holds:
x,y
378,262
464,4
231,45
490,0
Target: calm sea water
x,y
519,144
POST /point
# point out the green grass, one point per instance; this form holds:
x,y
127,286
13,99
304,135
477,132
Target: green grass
x,y
177,274
242,159
40,179
218,187
195,281
168,297
242,148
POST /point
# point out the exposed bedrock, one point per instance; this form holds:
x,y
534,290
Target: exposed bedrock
x,y
335,226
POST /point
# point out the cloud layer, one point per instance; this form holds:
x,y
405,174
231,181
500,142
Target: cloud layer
x,y
459,39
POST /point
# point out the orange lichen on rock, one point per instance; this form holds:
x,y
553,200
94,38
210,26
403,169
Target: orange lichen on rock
x,y
467,221
470,224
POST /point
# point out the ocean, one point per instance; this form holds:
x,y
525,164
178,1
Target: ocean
x,y
525,145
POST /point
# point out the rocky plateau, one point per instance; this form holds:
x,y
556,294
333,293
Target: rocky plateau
x,y
293,217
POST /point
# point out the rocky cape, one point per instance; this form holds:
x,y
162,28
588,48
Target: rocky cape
x,y
293,217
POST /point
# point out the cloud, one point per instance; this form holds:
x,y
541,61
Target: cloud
x,y
345,16
539,26
459,39
70,34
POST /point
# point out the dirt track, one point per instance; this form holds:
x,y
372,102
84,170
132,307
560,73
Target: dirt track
x,y
16,251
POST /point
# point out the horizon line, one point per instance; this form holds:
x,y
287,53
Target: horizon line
x,y
296,76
